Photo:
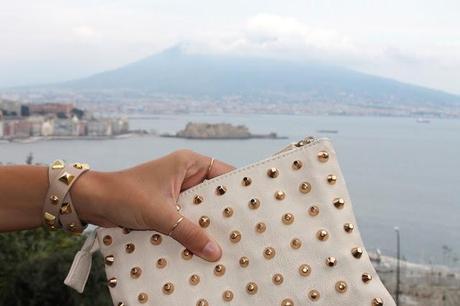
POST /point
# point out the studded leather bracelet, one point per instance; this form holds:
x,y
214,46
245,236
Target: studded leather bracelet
x,y
58,209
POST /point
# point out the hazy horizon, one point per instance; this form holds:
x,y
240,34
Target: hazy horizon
x,y
416,42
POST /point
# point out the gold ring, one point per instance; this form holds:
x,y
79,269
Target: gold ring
x,y
211,163
175,225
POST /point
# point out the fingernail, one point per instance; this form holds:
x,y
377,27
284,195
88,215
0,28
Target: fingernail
x,y
211,250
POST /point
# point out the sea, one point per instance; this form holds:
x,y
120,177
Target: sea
x,y
400,172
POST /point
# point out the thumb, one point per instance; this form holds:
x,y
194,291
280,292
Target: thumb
x,y
195,239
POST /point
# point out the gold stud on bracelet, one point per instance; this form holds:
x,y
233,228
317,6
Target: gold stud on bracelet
x,y
54,199
65,208
66,178
50,219
57,164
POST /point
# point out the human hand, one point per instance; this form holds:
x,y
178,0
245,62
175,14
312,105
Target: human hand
x,y
144,197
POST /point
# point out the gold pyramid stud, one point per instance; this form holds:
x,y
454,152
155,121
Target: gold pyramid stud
x,y
57,164
50,219
81,166
54,199
66,178
65,209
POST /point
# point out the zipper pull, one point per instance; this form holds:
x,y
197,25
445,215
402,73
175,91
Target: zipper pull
x,y
298,144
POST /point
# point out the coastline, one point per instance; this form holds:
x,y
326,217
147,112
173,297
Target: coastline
x,y
34,139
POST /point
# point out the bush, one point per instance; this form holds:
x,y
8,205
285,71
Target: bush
x,y
33,266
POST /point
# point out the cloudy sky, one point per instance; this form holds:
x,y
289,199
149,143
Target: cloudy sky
x,y
416,41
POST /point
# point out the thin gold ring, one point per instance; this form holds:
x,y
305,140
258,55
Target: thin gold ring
x,y
175,225
211,163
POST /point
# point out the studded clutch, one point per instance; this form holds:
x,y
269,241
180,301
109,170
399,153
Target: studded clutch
x,y
287,231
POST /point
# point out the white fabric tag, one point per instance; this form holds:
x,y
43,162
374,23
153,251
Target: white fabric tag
x,y
81,266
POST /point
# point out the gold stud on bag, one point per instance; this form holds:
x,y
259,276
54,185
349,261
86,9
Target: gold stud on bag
x,y
287,231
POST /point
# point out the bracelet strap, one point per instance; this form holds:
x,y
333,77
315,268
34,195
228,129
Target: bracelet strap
x,y
58,210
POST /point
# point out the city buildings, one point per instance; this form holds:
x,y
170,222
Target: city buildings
x,y
54,120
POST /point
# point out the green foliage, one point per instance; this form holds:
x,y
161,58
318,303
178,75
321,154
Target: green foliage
x,y
33,265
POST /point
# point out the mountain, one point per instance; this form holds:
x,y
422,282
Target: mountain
x,y
177,72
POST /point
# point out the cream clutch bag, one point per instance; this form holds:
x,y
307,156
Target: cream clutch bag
x,y
287,231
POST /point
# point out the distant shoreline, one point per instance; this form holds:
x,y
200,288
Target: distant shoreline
x,y
224,137
34,139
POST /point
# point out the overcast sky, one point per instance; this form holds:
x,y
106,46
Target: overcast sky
x,y
416,41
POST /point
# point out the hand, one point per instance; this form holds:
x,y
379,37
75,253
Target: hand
x,y
144,197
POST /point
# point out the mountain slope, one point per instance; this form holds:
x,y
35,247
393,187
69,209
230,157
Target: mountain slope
x,y
176,72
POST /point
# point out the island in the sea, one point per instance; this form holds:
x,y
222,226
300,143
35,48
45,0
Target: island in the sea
x,y
194,130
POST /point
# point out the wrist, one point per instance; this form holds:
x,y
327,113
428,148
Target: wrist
x,y
90,196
